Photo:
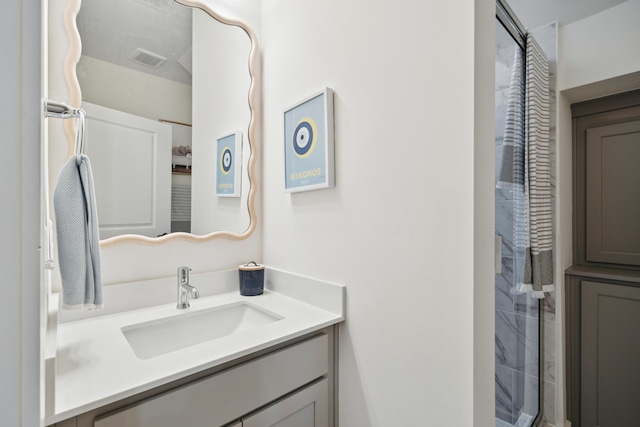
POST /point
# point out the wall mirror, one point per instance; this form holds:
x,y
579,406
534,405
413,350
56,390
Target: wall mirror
x,y
162,82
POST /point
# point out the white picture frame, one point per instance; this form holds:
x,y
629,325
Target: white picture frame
x,y
229,165
309,143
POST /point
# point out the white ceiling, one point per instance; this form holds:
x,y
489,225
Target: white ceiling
x,y
534,14
112,30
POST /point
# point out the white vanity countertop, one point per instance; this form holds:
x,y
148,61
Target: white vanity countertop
x,y
97,366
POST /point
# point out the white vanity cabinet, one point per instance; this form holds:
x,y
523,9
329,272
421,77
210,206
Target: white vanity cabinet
x,y
287,385
306,408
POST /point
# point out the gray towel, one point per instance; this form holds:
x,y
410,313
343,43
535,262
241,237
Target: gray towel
x,y
538,267
525,171
511,169
77,234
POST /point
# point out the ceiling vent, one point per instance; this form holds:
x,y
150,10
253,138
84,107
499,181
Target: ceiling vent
x,y
147,58
162,5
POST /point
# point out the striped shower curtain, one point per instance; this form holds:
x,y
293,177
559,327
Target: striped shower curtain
x,y
526,171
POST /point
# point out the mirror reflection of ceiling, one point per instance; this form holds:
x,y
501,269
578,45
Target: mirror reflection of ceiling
x,y
115,30
536,14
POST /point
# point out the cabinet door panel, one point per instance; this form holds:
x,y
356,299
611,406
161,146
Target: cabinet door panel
x,y
131,162
613,194
610,372
306,408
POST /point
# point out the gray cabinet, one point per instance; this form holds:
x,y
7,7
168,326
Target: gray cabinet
x,y
284,384
610,373
602,288
613,193
602,346
606,177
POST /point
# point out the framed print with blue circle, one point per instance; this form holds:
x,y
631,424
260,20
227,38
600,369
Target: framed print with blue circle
x,y
308,144
229,165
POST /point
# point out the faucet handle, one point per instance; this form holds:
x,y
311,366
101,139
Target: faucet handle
x,y
183,274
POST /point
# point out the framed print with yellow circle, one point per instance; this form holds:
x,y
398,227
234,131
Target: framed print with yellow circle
x,y
229,165
308,144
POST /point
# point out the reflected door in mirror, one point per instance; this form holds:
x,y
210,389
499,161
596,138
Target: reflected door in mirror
x,y
131,164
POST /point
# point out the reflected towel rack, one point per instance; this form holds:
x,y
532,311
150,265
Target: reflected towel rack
x,y
60,110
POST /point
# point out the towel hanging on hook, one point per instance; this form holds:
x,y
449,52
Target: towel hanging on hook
x,y
77,220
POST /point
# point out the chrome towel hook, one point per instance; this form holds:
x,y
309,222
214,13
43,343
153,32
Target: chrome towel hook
x,y
60,110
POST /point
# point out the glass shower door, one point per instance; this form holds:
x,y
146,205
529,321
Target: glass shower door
x,y
517,325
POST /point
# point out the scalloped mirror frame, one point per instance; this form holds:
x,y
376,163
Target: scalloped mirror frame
x,y
75,99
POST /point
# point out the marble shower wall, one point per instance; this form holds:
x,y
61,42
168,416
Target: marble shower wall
x,y
516,319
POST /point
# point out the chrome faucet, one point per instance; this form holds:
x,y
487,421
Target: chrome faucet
x,y
184,288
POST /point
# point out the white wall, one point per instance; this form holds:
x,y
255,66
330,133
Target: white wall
x,y
20,117
248,11
131,262
483,215
600,49
409,226
221,83
133,92
564,240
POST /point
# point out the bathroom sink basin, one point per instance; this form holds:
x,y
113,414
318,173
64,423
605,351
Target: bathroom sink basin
x,y
158,337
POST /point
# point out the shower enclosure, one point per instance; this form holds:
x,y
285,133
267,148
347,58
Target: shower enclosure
x,y
517,315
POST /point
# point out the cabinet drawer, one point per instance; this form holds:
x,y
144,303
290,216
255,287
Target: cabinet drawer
x,y
306,408
226,396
